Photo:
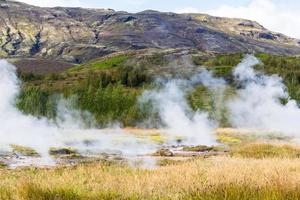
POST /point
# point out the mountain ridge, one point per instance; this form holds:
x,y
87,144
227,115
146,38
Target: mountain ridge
x,y
77,35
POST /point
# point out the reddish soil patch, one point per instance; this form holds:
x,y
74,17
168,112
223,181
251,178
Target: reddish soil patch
x,y
41,67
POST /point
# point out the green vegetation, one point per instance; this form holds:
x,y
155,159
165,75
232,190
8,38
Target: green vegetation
x,y
229,139
286,67
211,101
221,65
29,76
37,102
102,64
224,60
61,151
109,87
25,151
111,103
2,165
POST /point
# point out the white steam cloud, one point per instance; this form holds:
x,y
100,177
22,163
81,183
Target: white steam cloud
x,y
17,128
68,131
170,101
258,106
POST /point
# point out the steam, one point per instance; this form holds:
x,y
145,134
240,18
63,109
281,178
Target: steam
x,y
68,130
258,104
17,128
180,121
70,118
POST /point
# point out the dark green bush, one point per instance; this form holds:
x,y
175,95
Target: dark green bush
x,y
37,102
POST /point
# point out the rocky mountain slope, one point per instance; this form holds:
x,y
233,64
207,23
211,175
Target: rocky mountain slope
x,y
77,35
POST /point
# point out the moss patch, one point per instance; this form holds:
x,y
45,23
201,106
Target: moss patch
x,y
25,151
62,151
2,165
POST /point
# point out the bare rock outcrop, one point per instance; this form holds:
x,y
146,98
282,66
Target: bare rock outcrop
x,y
77,35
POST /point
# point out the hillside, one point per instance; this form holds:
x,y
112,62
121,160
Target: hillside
x,y
103,104
77,35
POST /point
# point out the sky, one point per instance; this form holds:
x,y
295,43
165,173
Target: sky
x,y
277,15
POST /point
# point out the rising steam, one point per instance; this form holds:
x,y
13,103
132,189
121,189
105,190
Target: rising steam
x,y
68,131
17,128
170,102
258,104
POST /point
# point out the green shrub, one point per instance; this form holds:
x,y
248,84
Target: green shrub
x,y
37,102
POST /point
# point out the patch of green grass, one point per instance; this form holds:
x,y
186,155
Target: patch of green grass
x,y
228,60
221,65
158,139
262,150
102,64
2,165
234,137
25,151
62,151
228,139
222,70
157,59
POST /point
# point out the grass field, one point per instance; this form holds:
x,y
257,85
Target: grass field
x,y
213,178
253,167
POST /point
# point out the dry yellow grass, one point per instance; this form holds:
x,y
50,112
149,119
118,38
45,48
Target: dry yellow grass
x,y
266,150
215,178
252,170
139,131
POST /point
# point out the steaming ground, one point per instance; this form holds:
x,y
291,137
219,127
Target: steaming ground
x,y
257,105
17,128
176,115
42,134
68,130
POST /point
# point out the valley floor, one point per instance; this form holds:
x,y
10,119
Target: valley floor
x,y
220,177
243,166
